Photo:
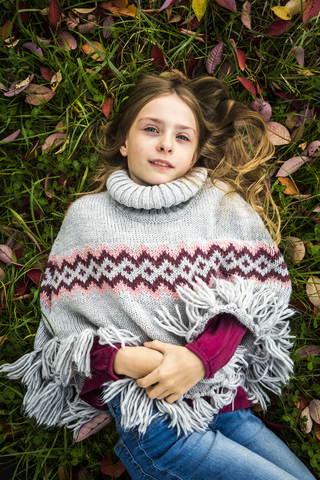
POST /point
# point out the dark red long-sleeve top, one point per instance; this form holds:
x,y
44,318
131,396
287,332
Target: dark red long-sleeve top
x,y
215,347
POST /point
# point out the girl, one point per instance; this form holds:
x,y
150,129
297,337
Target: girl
x,y
165,299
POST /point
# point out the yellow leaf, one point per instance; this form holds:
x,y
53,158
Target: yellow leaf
x,y
83,11
291,189
199,7
6,29
282,12
294,6
88,49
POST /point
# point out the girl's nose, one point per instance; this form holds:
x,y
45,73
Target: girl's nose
x,y
165,145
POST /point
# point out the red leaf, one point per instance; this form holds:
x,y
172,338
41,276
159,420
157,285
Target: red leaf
x,y
34,48
157,57
107,105
23,15
40,247
64,181
248,85
47,73
109,468
311,350
191,66
21,286
241,57
215,58
289,96
312,10
35,275
54,14
229,4
278,27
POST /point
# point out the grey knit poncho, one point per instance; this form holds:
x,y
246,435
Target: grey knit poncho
x,y
136,263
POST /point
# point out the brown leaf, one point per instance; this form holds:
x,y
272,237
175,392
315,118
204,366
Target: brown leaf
x,y
310,350
91,24
11,137
298,133
314,408
278,27
278,134
54,140
47,73
292,120
2,339
245,15
313,290
47,184
83,11
108,22
158,58
215,57
72,23
316,429
2,275
292,165
37,94
66,40
109,468
296,249
312,10
308,425
291,189
312,150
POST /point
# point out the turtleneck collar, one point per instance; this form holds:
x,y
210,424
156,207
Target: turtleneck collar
x,y
128,193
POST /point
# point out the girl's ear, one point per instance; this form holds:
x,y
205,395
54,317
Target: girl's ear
x,y
123,150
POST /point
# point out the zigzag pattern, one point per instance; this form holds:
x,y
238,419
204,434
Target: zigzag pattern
x,y
161,271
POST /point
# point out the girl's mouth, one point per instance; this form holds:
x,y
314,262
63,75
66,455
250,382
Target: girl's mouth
x,y
162,165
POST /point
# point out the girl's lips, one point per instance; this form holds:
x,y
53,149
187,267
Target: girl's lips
x,y
161,166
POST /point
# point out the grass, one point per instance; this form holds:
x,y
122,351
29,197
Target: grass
x,y
31,209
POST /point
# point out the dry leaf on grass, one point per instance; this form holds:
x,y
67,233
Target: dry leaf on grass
x,y
308,425
291,189
296,249
313,290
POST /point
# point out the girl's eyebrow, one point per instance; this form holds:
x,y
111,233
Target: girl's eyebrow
x,y
157,120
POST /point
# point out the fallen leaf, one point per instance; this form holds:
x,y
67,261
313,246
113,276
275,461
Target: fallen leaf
x,y
94,425
290,97
299,55
291,165
298,133
67,41
90,25
121,7
112,469
228,4
60,126
107,105
278,134
262,107
282,12
245,16
2,275
308,425
35,151
11,137
312,150
89,50
314,408
54,140
83,11
316,429
294,6
2,339
241,57
72,23
35,274
313,290
166,5
55,14
199,7
215,57
278,27
158,58
37,94
200,37
21,286
296,249
291,189
292,120
312,10
47,73
107,22
33,48
6,254
63,473
18,86
257,407
5,31
310,350
248,85
57,77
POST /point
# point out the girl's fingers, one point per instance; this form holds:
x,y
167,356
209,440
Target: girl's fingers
x,y
172,398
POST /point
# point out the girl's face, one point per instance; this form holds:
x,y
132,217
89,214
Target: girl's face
x,y
161,145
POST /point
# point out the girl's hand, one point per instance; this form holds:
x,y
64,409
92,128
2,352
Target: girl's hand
x,y
136,362
179,370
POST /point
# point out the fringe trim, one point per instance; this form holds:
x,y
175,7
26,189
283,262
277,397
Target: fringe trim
x,y
267,365
48,375
137,408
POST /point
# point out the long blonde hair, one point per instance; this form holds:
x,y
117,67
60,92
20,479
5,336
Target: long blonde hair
x,y
233,144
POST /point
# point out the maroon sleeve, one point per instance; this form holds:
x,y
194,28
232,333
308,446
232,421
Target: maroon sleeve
x,y
218,342
101,358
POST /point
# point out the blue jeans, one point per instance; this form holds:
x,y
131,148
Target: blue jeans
x,y
237,445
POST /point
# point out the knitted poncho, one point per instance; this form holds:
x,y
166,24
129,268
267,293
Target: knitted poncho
x,y
135,263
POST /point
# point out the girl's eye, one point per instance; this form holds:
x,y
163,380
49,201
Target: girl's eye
x,y
151,129
183,137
